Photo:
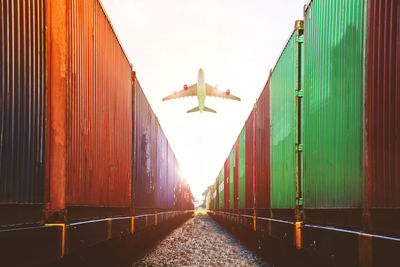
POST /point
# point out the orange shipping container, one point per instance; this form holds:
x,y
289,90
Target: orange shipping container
x,y
90,112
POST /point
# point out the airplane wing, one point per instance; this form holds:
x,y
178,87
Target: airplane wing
x,y
190,91
212,91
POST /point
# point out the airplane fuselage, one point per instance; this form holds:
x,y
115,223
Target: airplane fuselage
x,y
201,90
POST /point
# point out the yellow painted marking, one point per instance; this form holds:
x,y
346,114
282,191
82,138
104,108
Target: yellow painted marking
x,y
298,234
254,223
269,227
109,229
62,236
155,218
365,250
132,225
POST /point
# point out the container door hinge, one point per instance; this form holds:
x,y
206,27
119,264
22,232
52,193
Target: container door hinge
x,y
299,147
300,39
299,93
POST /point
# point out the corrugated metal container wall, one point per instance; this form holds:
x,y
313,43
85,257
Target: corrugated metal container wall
x,y
231,179
99,111
22,109
242,169
145,140
383,108
171,178
333,95
208,200
215,195
217,189
187,197
162,150
227,183
263,150
236,175
212,197
178,185
183,190
221,184
283,129
250,154
383,98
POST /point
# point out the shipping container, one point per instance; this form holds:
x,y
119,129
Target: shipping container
x,y
210,198
90,113
235,164
262,178
221,191
171,178
383,115
286,127
250,161
333,111
183,191
231,179
242,170
23,112
178,186
162,158
216,186
227,184
145,146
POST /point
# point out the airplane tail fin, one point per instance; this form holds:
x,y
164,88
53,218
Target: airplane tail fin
x,y
198,109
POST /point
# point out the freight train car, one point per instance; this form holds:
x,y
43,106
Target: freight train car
x,y
78,139
322,140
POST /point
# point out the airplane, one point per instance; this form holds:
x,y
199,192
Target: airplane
x,y
201,90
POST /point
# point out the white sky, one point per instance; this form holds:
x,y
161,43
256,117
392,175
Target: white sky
x,y
236,42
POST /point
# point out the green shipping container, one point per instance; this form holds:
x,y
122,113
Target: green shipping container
x,y
283,131
221,190
285,114
214,201
333,95
231,180
242,169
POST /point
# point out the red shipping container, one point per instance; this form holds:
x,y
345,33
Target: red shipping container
x,y
262,151
383,115
250,161
90,112
227,184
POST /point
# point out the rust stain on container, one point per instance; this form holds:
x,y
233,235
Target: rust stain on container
x,y
57,54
